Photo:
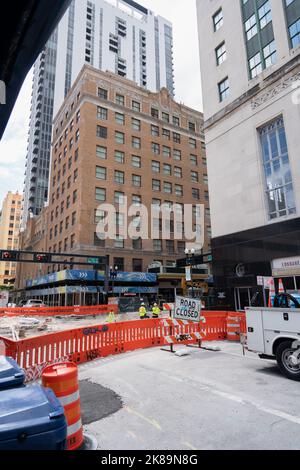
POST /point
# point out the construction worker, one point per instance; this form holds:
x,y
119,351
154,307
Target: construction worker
x,y
155,311
111,317
143,312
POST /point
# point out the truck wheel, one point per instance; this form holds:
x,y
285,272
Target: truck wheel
x,y
286,361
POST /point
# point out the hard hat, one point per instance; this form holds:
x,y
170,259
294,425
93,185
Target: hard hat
x,y
142,304
155,305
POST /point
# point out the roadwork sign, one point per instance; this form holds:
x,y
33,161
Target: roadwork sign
x,y
187,309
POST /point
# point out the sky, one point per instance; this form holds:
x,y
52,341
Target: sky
x,y
13,145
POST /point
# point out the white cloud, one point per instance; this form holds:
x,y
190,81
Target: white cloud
x,y
13,146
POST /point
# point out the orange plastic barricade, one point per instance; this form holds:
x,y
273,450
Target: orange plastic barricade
x,y
63,380
181,331
233,327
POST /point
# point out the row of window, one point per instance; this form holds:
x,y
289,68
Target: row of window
x,y
136,142
157,185
155,113
267,55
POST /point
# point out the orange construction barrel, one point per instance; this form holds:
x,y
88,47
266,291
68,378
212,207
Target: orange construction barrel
x,y
233,327
62,378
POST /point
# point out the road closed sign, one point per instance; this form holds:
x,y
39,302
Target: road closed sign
x,y
187,309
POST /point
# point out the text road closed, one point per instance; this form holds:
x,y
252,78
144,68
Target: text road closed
x,y
187,309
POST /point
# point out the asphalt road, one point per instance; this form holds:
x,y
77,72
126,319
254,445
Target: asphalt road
x,y
204,401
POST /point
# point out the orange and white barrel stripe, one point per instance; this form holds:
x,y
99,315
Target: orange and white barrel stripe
x,y
63,380
233,328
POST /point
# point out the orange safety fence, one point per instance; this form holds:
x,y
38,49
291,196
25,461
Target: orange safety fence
x,y
58,311
85,344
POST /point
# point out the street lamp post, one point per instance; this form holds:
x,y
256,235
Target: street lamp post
x,y
190,257
113,274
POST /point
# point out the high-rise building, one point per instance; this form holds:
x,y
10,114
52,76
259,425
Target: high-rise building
x,y
10,217
250,64
120,36
117,144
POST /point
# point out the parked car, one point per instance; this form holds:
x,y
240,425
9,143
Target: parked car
x,y
34,303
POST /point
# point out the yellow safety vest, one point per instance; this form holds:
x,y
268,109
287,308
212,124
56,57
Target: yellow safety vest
x,y
143,312
111,317
156,311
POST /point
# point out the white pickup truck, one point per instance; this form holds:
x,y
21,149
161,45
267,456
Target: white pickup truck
x,y
274,333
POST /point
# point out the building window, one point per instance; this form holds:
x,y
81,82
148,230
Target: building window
x,y
119,242
155,131
218,20
100,194
136,106
154,113
251,27
74,218
166,134
294,32
170,247
178,190
155,185
136,200
120,137
195,193
136,142
223,89
155,167
120,100
194,177
155,148
176,121
101,152
177,155
103,94
255,65
192,126
98,240
100,173
119,157
136,124
119,198
278,176
167,169
221,53
178,172
137,181
194,160
136,161
137,244
102,113
120,119
102,132
157,245
119,177
269,53
264,14
167,187
165,117
176,138
99,216
137,265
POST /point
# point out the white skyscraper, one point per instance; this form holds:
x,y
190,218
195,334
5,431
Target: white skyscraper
x,y
119,36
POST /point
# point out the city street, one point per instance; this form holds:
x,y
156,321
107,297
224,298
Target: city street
x,y
204,401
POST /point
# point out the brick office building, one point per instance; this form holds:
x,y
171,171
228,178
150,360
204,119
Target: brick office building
x,y
113,139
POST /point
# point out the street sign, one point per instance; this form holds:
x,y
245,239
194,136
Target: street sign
x,y
188,274
187,309
93,260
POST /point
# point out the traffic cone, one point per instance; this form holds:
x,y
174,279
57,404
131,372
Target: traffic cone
x,y
280,287
272,292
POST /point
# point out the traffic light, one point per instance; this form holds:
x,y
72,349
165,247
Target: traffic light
x,y
42,258
9,255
